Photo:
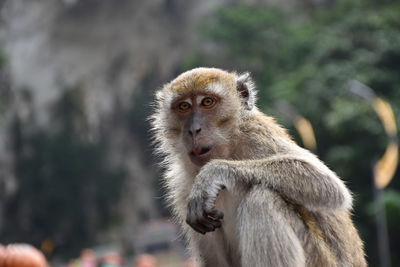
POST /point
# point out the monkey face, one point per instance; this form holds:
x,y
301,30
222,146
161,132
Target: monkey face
x,y
198,113
201,135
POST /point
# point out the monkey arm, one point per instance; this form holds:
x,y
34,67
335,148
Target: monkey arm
x,y
303,180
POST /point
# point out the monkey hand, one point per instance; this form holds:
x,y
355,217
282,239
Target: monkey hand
x,y
202,215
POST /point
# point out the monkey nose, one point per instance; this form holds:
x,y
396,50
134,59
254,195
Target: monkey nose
x,y
195,131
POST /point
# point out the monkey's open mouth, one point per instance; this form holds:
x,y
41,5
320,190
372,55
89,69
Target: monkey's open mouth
x,y
201,151
201,155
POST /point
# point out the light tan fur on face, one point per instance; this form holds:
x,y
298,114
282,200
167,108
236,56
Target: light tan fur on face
x,y
282,205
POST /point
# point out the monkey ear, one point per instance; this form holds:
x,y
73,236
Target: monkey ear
x,y
247,91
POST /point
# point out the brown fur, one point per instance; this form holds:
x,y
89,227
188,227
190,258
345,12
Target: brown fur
x,y
194,81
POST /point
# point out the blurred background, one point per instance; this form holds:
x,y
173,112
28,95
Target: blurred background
x,y
77,174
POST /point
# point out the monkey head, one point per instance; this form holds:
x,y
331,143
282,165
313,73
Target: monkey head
x,y
197,114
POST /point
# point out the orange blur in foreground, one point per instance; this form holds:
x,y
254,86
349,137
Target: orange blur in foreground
x,y
21,255
146,260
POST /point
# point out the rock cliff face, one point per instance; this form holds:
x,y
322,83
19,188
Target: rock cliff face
x,y
115,52
106,46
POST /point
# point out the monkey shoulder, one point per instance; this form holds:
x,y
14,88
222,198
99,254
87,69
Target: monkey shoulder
x,y
261,136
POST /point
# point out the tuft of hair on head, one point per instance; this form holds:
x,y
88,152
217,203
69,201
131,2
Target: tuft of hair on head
x,y
247,90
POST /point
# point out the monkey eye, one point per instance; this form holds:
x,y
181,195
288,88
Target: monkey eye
x,y
208,102
184,106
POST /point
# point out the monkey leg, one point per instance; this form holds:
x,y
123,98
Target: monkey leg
x,y
210,250
265,232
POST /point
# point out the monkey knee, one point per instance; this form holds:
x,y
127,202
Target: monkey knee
x,y
271,246
266,236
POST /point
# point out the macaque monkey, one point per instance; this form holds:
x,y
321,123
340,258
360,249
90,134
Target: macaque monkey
x,y
244,193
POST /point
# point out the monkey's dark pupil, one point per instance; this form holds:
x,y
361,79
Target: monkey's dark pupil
x,y
208,102
183,105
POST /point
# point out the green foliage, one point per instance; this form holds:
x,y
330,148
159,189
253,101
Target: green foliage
x,y
308,58
391,198
67,191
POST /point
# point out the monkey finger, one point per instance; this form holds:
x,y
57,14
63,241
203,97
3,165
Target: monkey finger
x,y
199,223
215,214
216,224
201,228
198,229
206,223
192,222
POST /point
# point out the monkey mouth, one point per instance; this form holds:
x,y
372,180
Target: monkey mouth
x,y
201,151
201,155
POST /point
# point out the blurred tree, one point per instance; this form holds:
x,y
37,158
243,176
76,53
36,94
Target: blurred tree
x,y
308,57
6,179
67,192
4,83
